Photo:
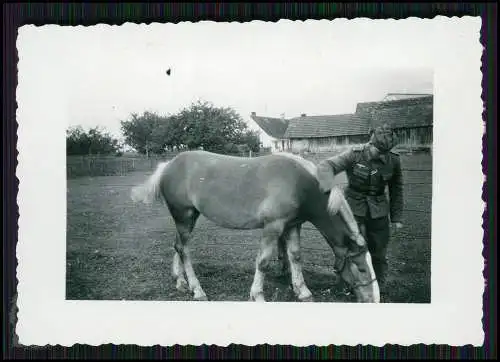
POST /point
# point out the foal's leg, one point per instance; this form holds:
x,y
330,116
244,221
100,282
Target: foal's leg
x,y
282,254
178,273
293,249
270,235
185,224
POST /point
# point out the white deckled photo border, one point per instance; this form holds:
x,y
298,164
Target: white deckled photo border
x,y
455,313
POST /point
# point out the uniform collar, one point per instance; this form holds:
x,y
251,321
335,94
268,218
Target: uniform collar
x,y
382,157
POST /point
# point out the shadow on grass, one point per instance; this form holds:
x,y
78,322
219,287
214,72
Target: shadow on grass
x,y
232,283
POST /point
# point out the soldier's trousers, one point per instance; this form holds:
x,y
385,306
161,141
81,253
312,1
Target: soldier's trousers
x,y
377,234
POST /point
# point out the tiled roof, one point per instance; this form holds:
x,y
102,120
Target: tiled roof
x,y
398,96
403,113
327,126
274,127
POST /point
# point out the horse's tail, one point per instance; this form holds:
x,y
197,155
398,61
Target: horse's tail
x,y
149,190
336,200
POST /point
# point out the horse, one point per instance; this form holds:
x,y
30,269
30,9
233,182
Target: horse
x,y
276,193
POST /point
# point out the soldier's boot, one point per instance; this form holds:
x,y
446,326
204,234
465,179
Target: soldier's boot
x,y
380,268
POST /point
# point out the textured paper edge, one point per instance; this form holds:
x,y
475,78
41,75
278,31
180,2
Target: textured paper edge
x,y
258,326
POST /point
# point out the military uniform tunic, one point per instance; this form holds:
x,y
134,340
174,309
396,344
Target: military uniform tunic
x,y
365,193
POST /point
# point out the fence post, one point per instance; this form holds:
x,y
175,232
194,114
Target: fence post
x,y
82,170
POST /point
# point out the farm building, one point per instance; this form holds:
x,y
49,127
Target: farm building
x,y
275,128
412,118
399,96
324,133
411,115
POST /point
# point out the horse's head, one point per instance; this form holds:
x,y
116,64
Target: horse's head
x,y
353,258
355,266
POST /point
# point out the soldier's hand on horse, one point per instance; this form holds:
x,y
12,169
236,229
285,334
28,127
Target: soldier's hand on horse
x,y
397,225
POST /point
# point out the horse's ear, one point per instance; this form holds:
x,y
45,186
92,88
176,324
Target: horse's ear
x,y
354,245
355,248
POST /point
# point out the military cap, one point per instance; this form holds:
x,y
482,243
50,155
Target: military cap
x,y
383,137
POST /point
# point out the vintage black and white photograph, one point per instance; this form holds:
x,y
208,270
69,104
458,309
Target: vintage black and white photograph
x,y
226,177
224,162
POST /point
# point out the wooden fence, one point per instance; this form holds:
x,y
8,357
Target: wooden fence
x,y
78,166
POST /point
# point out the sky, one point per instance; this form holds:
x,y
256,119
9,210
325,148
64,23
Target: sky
x,y
105,73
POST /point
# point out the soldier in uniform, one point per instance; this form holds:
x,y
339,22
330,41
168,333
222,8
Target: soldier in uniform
x,y
369,169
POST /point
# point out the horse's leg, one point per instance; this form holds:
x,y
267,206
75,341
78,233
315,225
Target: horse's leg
x,y
270,235
185,224
293,249
178,273
282,254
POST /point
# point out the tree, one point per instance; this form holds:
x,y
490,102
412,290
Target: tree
x,y
251,139
145,132
201,125
95,141
215,129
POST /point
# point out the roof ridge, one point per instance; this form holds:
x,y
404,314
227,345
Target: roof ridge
x,y
402,100
411,94
328,115
277,118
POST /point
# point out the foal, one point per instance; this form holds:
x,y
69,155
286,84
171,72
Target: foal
x,y
276,193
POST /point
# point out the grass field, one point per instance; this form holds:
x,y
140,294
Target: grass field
x,y
117,250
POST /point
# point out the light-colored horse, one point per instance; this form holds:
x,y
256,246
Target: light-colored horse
x,y
276,193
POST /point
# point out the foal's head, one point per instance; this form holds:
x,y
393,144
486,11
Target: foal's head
x,y
353,259
354,264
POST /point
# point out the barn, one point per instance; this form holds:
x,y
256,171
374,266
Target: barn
x,y
411,117
275,129
324,133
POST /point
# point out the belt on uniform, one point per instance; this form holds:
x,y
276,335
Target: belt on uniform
x,y
365,192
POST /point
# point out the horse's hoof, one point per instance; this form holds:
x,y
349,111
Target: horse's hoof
x,y
257,298
201,298
182,287
307,299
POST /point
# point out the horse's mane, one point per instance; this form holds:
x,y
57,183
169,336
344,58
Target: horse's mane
x,y
335,197
308,165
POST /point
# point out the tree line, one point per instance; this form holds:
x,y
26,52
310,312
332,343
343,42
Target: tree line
x,y
92,142
199,126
